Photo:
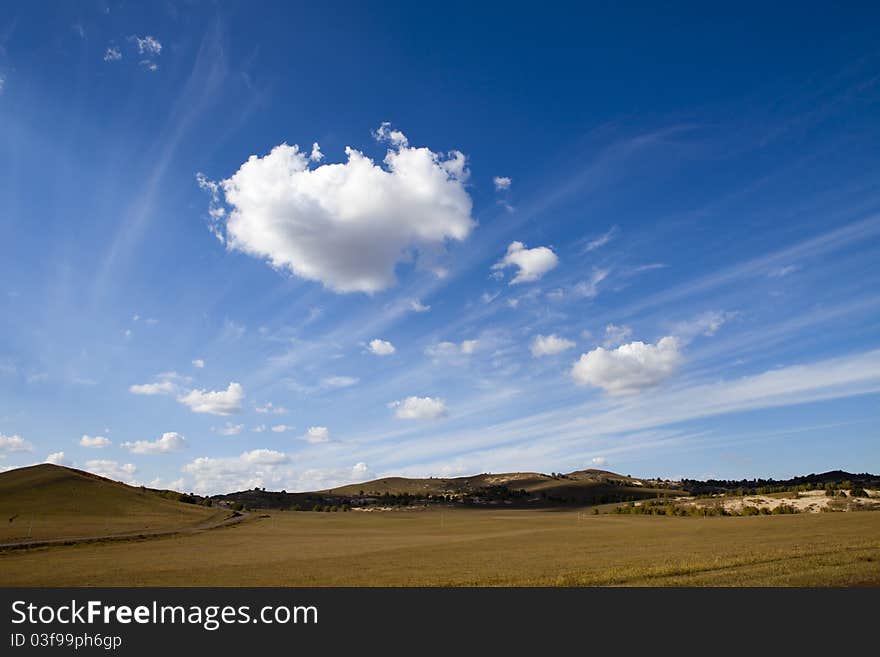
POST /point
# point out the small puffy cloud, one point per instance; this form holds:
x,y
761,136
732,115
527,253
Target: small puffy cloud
x,y
419,408
170,441
615,335
94,442
381,347
531,264
14,444
229,429
58,458
316,435
112,470
166,383
271,408
346,225
340,381
281,428
548,345
316,155
259,467
260,428
360,469
215,402
630,368
599,461
149,65
418,307
501,183
148,45
198,362
112,54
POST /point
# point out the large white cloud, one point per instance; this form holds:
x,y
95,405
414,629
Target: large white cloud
x,y
419,408
531,264
170,441
58,458
347,224
14,444
113,470
548,345
216,402
630,367
259,467
94,442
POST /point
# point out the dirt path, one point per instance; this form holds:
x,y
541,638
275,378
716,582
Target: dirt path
x,y
234,519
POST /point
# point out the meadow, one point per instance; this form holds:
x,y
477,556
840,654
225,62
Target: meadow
x,y
476,547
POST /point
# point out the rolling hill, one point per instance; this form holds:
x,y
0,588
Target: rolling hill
x,y
44,502
513,488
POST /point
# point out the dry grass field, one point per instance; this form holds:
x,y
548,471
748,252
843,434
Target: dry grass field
x,y
476,547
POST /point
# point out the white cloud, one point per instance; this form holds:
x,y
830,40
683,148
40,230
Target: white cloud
x,y
219,402
589,289
340,381
600,241
170,441
360,469
501,183
229,429
58,458
316,155
149,65
112,470
532,264
599,460
198,362
442,350
548,345
317,435
14,444
630,368
381,347
281,428
259,467
418,307
346,225
148,45
616,335
260,428
270,408
706,324
157,388
94,442
419,408
112,54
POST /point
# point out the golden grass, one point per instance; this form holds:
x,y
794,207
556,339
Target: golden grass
x,y
49,502
477,548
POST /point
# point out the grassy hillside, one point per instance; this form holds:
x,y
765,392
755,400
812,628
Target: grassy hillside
x,y
50,501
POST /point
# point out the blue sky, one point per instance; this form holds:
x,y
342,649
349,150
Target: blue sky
x,y
590,237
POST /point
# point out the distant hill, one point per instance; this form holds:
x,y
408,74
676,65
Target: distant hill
x,y
51,501
513,488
